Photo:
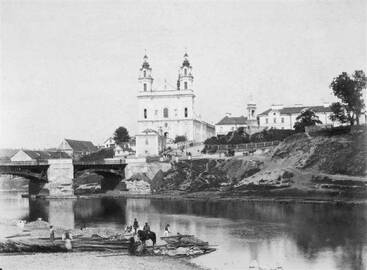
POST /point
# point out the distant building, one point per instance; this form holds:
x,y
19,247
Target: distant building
x,y
77,149
170,111
249,122
109,143
281,117
32,155
126,149
150,143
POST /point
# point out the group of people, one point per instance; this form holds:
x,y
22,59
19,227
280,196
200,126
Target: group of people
x,y
146,228
66,237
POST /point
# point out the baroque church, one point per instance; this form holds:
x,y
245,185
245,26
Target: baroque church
x,y
168,112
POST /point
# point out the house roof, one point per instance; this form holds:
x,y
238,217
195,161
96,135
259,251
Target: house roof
x,y
297,110
81,146
241,120
35,154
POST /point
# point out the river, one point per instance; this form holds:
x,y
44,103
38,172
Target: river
x,y
295,236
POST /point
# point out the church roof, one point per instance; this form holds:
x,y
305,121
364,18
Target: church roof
x,y
241,120
297,110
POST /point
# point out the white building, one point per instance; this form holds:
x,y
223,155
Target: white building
x,y
281,117
150,143
249,122
109,143
170,111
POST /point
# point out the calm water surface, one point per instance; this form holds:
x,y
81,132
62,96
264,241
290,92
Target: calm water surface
x,y
295,236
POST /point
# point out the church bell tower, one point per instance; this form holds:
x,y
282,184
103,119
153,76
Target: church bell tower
x,y
145,78
185,78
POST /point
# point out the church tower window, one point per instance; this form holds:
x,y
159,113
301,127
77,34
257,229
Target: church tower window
x,y
145,87
165,112
145,114
186,112
145,73
185,85
185,71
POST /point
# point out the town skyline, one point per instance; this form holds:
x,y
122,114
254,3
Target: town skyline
x,y
69,70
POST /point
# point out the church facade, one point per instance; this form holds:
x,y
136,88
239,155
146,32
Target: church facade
x,y
170,112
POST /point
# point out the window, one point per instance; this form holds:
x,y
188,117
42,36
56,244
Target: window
x,y
274,120
166,125
165,112
282,119
145,87
185,85
273,113
145,114
266,120
145,73
185,71
146,142
186,112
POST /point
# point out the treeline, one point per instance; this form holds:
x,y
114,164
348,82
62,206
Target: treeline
x,y
239,136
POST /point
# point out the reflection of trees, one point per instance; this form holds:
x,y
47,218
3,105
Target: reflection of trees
x,y
314,227
98,210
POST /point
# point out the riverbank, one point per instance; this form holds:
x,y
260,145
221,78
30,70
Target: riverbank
x,y
92,261
214,196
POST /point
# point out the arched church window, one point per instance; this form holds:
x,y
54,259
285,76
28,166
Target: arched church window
x,y
145,87
186,112
145,73
145,114
185,71
165,112
185,85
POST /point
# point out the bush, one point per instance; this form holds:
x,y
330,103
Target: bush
x,y
99,155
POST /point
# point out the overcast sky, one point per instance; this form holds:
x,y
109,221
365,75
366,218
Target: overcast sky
x,y
69,68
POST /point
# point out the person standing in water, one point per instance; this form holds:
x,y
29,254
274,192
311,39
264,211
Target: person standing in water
x,y
52,233
166,230
136,225
67,237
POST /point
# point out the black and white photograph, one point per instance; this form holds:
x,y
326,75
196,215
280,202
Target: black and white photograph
x,y
182,134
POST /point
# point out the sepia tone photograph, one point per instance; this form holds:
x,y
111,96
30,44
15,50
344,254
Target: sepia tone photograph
x,y
173,134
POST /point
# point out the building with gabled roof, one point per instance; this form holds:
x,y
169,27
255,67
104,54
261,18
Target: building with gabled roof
x,y
36,155
76,148
229,123
281,117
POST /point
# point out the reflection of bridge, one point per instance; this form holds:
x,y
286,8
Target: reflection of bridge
x,y
55,176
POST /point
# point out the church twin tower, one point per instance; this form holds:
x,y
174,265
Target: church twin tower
x,y
184,82
169,112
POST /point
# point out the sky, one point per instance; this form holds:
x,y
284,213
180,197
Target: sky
x,y
69,69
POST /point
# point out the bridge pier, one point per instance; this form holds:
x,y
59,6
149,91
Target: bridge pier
x,y
60,176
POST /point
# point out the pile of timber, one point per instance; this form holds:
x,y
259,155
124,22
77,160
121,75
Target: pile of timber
x,y
177,246
58,245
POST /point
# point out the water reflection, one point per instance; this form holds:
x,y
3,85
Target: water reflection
x,y
295,235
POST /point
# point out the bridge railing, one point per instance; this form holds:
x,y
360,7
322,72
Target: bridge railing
x,y
101,162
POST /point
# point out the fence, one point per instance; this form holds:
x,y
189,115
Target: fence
x,y
242,147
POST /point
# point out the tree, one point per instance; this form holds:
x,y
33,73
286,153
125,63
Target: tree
x,y
180,139
305,119
349,91
121,135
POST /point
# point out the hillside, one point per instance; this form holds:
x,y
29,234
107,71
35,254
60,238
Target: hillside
x,y
299,166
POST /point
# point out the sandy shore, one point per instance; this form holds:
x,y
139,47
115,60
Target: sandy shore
x,y
91,261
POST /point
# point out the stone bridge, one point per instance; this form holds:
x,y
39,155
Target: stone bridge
x,y
54,177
